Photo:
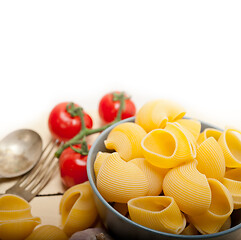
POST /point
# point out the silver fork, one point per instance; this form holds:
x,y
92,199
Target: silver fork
x,y
34,181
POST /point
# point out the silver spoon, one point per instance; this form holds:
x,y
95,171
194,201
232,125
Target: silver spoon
x,y
19,152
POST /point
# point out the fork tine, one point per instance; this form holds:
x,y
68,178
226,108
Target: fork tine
x,y
47,177
41,174
30,177
24,181
34,181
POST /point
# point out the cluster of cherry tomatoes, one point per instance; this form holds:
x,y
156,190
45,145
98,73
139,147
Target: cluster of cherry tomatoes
x,y
64,126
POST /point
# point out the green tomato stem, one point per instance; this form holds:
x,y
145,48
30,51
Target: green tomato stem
x,y
81,114
121,98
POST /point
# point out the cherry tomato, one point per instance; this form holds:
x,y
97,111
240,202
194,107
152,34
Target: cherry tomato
x,y
72,167
63,126
108,108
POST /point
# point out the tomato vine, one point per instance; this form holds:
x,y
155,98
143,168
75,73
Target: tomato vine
x,y
80,138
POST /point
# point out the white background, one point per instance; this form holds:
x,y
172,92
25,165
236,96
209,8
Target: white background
x,y
54,51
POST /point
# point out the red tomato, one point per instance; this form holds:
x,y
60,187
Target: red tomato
x,y
63,126
72,167
108,108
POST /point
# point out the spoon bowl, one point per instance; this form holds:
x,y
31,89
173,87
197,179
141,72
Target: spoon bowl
x,y
19,152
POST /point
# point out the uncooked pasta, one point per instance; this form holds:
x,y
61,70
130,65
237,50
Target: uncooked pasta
x,y
153,174
157,212
232,180
16,220
120,181
169,147
189,188
209,132
77,208
47,232
125,138
192,125
219,211
155,114
210,159
167,175
230,141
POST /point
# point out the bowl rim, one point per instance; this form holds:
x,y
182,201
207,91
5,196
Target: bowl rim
x,y
109,207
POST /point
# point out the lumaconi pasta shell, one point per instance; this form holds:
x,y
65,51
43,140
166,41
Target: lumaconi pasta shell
x,y
189,230
209,132
230,142
188,134
18,229
232,180
220,209
155,114
226,225
169,147
126,139
210,159
192,125
14,207
155,175
189,188
47,232
120,181
100,159
77,208
160,213
16,220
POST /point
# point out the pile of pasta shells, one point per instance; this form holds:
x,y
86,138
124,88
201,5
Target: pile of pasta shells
x,y
167,175
77,209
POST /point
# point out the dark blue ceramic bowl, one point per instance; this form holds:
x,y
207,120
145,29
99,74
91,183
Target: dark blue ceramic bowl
x,y
121,227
